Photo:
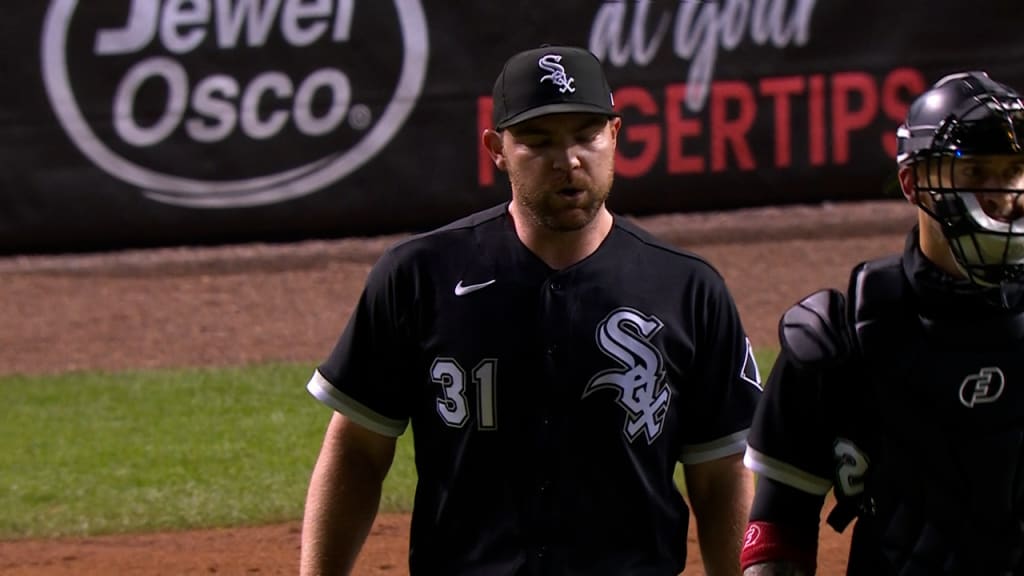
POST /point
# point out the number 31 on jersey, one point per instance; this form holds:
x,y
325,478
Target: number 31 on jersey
x,y
453,406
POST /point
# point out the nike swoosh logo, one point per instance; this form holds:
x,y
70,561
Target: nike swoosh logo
x,y
462,290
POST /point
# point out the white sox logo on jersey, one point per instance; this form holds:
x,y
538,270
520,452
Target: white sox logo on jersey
x,y
981,388
558,77
625,336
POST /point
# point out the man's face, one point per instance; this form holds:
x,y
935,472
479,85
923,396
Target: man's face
x,y
987,193
561,167
998,181
995,181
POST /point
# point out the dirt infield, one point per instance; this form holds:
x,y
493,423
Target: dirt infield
x,y
242,304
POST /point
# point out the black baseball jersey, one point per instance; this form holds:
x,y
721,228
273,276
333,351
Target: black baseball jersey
x,y
548,408
918,431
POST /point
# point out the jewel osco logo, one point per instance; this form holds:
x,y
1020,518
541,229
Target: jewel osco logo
x,y
231,103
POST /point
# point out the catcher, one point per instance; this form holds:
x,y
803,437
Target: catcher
x,y
904,395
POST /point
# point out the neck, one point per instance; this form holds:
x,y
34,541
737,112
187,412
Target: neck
x,y
561,249
934,245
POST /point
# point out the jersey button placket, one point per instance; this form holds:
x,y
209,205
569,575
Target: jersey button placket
x,y
554,330
553,327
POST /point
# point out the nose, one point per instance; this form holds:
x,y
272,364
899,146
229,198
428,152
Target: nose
x,y
1005,207
566,157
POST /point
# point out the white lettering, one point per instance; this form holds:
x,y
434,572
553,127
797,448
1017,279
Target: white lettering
x,y
174,77
182,25
295,11
700,37
770,22
700,29
341,92
343,20
154,100
264,110
249,14
220,110
608,29
139,32
263,128
734,17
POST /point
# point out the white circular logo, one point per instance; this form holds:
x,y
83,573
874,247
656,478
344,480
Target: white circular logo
x,y
218,107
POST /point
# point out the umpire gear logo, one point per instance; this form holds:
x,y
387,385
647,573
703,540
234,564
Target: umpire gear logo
x,y
982,388
625,336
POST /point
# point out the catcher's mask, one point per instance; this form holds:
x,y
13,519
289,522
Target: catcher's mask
x,y
951,132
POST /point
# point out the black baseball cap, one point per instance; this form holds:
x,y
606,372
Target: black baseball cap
x,y
550,80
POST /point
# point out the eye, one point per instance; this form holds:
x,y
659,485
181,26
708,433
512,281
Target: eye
x,y
588,136
970,172
590,132
535,141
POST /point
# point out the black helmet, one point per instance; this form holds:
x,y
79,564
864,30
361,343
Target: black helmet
x,y
967,115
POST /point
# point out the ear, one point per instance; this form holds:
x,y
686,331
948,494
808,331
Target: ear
x,y
494,144
616,123
908,183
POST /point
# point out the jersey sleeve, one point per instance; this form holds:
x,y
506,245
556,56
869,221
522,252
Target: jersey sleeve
x,y
728,382
361,378
791,440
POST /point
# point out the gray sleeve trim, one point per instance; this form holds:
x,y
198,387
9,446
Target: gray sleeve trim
x,y
786,473
720,448
324,391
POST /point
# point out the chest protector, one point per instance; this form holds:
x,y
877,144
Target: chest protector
x,y
929,407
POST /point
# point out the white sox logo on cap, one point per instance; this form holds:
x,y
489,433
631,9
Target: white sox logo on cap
x,y
558,77
550,80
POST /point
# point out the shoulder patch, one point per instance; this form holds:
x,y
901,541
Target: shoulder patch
x,y
816,330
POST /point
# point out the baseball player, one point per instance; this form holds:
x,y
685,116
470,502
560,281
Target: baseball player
x,y
555,362
903,395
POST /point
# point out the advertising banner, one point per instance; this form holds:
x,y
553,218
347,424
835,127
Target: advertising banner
x,y
128,123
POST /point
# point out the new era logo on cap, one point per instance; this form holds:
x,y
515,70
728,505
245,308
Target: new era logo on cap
x,y
550,80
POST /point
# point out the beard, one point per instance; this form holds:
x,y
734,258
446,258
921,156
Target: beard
x,y
566,208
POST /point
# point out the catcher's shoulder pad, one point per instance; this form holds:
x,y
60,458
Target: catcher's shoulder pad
x,y
816,331
877,290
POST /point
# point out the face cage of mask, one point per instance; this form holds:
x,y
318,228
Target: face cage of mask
x,y
988,251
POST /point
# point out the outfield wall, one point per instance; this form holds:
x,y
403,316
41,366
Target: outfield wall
x,y
129,123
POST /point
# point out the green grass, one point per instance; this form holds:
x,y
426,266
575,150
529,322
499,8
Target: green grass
x,y
94,453
89,453
765,360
